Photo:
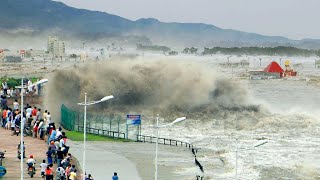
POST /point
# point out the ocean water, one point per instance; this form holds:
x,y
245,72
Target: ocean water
x,y
288,121
225,110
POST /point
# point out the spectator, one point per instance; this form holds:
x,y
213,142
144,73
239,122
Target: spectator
x,y
73,168
5,87
115,176
52,171
43,167
15,104
59,134
48,173
38,114
34,113
68,171
44,116
49,156
59,156
89,177
4,102
53,134
41,129
60,173
29,111
73,175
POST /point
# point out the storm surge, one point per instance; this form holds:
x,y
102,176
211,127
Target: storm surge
x,y
150,86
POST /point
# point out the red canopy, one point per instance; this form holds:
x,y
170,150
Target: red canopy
x,y
273,67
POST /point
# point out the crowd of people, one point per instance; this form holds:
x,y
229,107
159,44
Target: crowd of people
x,y
29,90
39,125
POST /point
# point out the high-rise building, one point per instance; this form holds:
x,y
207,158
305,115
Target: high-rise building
x,y
56,47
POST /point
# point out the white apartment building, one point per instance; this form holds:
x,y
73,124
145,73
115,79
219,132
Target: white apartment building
x,y
56,47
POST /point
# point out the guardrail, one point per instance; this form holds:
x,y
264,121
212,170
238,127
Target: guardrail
x,y
164,141
102,132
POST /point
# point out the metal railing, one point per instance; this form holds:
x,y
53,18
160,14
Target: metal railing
x,y
104,126
102,132
164,141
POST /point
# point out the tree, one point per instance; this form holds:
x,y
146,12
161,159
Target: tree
x,y
318,53
193,50
173,53
73,56
186,51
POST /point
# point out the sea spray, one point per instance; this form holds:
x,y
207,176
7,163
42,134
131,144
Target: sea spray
x,y
165,86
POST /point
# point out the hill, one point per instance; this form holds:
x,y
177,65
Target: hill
x,y
38,18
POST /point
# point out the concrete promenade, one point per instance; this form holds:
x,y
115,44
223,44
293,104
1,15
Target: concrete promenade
x,y
102,163
135,161
10,143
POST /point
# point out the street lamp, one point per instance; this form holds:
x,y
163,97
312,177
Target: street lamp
x,y
162,126
245,149
85,104
22,122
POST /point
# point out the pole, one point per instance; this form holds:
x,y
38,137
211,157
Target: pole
x,y
232,71
237,163
118,126
127,131
21,130
260,62
236,159
156,161
84,135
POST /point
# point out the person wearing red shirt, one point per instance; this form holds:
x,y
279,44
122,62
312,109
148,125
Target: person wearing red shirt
x,y
34,114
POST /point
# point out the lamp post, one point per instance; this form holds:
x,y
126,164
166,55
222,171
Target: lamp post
x,y
85,104
162,126
21,130
260,61
244,149
22,122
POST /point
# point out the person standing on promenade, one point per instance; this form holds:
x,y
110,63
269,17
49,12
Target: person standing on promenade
x,y
15,105
5,87
49,156
115,176
43,167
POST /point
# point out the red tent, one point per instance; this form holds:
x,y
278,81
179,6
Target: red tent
x,y
273,67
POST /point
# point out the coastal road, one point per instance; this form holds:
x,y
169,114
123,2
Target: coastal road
x,y
101,164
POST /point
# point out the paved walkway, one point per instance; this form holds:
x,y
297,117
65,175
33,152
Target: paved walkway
x,y
10,143
102,163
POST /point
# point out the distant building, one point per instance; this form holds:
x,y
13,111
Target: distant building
x,y
56,47
35,53
12,59
273,71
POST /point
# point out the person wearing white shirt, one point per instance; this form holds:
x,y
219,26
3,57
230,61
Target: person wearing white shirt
x,y
31,161
48,118
41,129
59,133
60,172
43,167
15,105
61,143
5,87
30,87
29,111
24,120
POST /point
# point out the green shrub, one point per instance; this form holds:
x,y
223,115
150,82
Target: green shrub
x,y
12,82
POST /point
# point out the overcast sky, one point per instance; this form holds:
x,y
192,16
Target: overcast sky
x,y
295,19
